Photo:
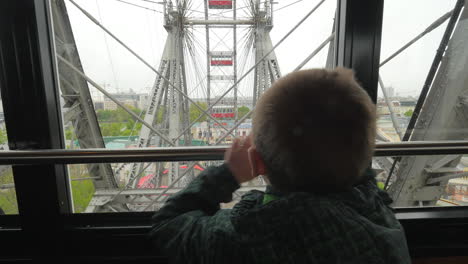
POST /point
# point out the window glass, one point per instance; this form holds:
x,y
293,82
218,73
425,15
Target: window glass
x,y
158,181
414,185
148,192
404,74
8,202
410,45
135,95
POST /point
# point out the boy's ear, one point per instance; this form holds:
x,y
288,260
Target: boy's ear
x,y
256,162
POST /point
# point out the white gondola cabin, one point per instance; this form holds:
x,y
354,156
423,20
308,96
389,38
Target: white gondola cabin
x,y
221,58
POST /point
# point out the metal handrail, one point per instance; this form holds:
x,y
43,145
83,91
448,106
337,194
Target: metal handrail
x,y
65,156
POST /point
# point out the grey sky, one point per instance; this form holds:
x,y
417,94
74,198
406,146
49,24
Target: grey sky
x,y
142,30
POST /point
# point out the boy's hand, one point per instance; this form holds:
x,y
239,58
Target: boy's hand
x,y
237,159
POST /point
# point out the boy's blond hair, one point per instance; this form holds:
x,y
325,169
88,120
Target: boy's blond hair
x,y
315,131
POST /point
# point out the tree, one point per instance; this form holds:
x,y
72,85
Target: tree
x,y
409,113
118,115
8,201
82,190
195,112
242,111
69,134
3,136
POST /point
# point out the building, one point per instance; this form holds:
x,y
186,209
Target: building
x,y
143,101
200,131
406,105
130,99
457,190
383,109
99,105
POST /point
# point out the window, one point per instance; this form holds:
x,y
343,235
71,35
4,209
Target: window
x,y
357,51
420,98
8,203
128,83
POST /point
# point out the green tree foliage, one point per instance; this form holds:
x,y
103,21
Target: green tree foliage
x,y
118,122
195,112
242,111
3,136
69,134
8,201
160,115
409,113
118,115
82,190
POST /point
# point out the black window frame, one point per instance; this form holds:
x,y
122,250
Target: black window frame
x,y
28,68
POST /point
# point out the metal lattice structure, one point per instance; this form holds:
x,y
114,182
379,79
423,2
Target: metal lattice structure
x,y
168,98
419,180
77,99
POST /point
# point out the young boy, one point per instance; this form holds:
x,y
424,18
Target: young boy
x,y
312,141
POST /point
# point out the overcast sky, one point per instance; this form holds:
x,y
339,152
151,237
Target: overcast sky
x,y
108,63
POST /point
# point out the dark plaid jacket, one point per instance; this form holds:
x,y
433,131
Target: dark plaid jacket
x,y
356,226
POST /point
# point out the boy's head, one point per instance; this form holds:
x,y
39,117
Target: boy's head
x,y
313,131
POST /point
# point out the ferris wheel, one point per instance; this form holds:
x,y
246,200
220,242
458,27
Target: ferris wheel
x,y
218,78
217,56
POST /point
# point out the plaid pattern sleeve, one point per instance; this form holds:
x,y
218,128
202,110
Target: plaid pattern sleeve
x,y
191,221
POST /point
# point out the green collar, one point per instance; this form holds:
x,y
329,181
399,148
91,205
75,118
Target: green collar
x,y
267,197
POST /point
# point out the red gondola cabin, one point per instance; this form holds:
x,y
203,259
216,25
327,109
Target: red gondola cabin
x,y
223,111
220,4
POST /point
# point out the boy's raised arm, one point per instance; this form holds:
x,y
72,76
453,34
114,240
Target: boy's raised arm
x,y
191,220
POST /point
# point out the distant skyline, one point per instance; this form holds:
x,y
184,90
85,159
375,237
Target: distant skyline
x,y
108,63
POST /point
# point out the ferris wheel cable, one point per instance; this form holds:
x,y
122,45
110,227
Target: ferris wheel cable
x,y
150,37
149,1
201,80
256,64
102,90
235,126
430,28
196,41
197,76
87,14
199,83
277,44
153,201
236,83
194,163
108,50
111,199
196,54
239,8
283,7
315,52
163,192
135,5
459,5
393,117
220,40
197,67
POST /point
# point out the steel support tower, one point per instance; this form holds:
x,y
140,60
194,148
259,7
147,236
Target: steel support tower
x,y
78,102
421,180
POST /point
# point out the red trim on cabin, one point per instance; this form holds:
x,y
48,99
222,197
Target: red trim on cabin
x,y
221,62
220,4
223,115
